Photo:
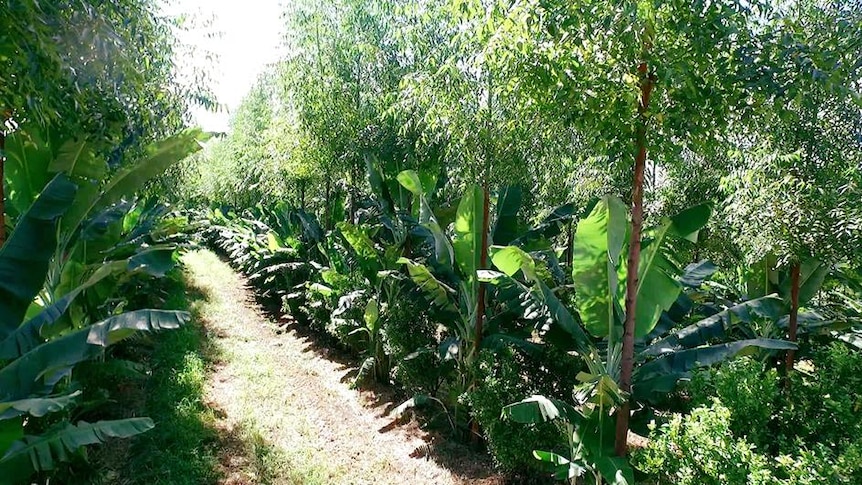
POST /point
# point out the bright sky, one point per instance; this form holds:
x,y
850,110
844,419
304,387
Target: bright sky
x,y
250,39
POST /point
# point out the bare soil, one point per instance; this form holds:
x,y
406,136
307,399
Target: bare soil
x,y
287,411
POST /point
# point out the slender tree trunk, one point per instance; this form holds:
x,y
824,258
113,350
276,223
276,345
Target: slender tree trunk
x,y
354,169
2,187
622,429
354,191
794,315
302,194
483,254
483,262
483,257
327,204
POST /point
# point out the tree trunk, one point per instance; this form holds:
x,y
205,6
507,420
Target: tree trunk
x,y
483,262
354,192
622,429
2,188
327,210
794,315
483,255
302,194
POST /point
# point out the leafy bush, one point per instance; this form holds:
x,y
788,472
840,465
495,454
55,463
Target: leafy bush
x,y
406,331
700,449
823,401
500,381
814,437
746,388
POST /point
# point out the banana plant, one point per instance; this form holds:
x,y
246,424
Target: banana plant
x,y
450,278
668,350
376,361
589,431
35,369
666,356
105,238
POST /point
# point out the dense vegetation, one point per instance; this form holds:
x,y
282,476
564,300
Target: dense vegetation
x,y
84,130
560,226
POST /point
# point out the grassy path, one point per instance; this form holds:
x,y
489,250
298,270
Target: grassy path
x,y
286,414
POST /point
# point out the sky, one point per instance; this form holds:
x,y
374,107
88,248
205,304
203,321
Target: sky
x,y
248,39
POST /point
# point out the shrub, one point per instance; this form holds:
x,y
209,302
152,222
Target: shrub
x,y
700,449
823,403
407,331
500,382
748,389
812,429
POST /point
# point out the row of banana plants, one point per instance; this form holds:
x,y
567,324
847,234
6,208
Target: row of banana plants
x,y
403,286
73,271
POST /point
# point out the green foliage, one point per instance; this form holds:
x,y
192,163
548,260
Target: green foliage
x,y
105,69
824,406
595,264
35,361
746,387
357,167
500,382
407,329
701,449
809,435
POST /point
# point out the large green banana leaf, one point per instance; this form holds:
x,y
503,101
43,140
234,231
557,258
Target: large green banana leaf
x,y
38,406
812,273
661,375
38,370
378,186
506,228
467,242
716,326
765,278
43,452
29,335
76,159
25,258
358,239
26,167
154,261
128,180
541,409
421,190
597,247
437,292
597,266
658,284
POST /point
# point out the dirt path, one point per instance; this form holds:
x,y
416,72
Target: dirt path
x,y
285,409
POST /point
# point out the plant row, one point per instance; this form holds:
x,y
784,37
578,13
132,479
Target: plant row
x,y
78,273
525,354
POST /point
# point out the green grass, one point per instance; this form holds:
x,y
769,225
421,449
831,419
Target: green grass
x,y
184,446
260,406
194,442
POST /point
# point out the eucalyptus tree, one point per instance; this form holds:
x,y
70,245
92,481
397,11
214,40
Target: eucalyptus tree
x,y
633,76
794,201
341,78
102,70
